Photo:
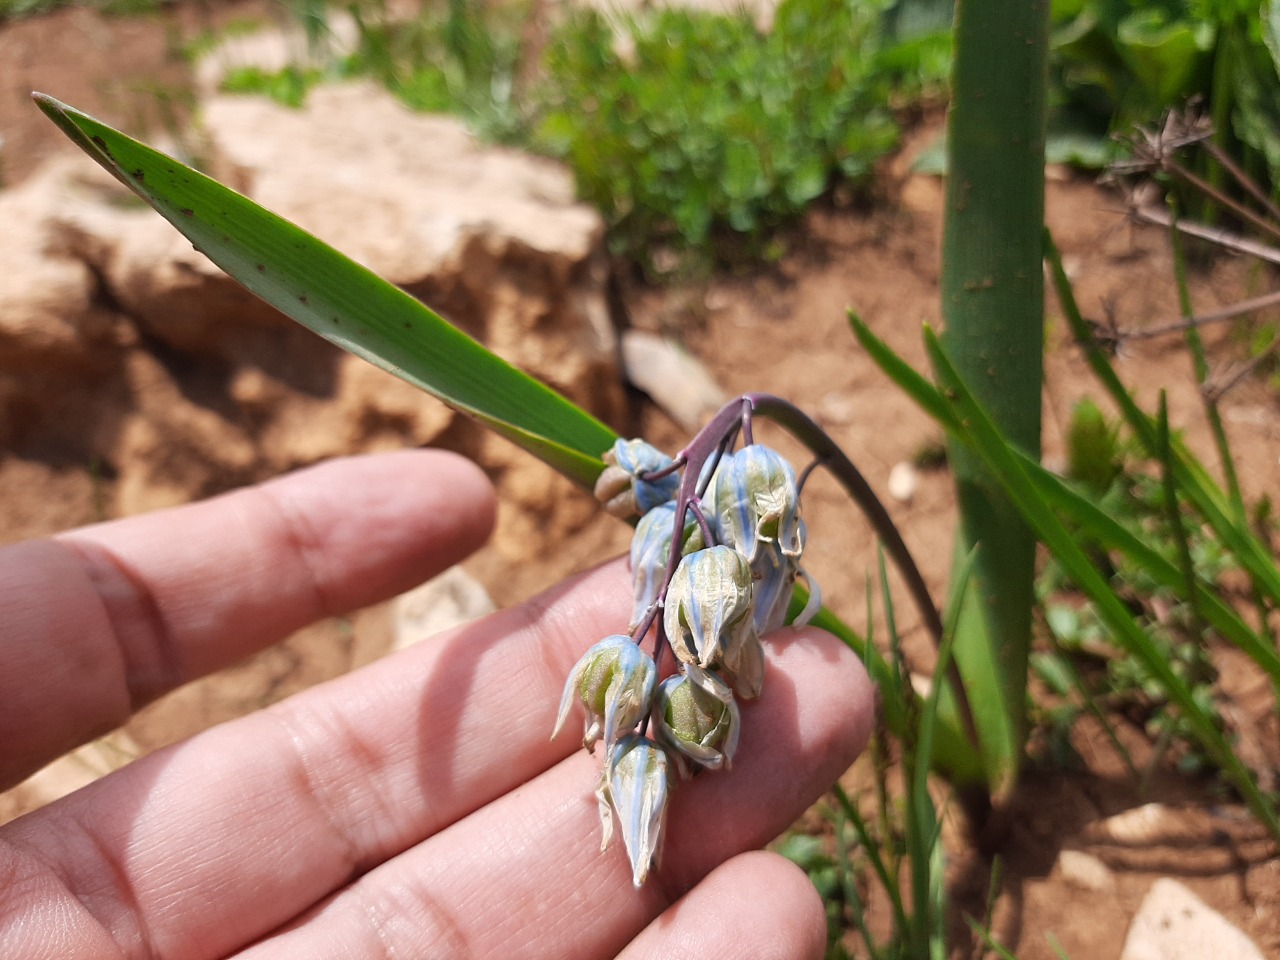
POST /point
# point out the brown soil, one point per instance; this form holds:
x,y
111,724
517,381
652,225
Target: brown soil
x,y
783,330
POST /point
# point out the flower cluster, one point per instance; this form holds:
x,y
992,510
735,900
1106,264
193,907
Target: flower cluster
x,y
707,599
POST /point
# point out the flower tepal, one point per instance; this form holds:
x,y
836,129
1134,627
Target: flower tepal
x,y
708,607
650,551
697,719
620,486
636,783
614,682
755,499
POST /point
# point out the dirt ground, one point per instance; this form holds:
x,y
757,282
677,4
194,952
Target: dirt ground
x,y
783,330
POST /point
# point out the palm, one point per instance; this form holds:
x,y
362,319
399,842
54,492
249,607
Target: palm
x,y
415,807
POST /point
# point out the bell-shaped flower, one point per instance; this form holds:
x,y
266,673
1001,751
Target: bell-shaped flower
x,y
614,682
650,552
774,576
637,783
754,498
697,719
707,614
620,486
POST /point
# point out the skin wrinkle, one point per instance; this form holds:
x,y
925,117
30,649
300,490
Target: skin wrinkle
x,y
125,898
139,630
300,772
17,861
303,543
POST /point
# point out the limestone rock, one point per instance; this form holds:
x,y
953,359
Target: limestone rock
x,y
48,313
673,379
1174,924
1085,871
491,238
448,600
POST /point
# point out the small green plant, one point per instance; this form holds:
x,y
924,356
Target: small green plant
x,y
682,126
1118,63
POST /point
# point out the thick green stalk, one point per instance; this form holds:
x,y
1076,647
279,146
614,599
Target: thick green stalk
x,y
993,308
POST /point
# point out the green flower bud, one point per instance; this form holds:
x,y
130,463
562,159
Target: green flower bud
x,y
650,551
619,486
754,498
636,784
614,682
697,719
708,607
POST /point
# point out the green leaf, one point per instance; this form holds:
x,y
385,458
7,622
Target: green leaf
x,y
1002,459
343,302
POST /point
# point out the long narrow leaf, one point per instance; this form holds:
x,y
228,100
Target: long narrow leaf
x,y
1191,477
996,453
342,301
1094,522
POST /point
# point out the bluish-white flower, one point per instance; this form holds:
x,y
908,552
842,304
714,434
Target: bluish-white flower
x,y
697,718
636,784
708,607
754,499
774,576
650,552
620,487
614,682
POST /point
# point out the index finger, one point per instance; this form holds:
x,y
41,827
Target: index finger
x,y
102,620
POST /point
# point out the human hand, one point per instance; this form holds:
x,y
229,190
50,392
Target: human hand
x,y
415,807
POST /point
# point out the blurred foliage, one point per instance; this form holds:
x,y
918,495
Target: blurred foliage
x,y
17,9
680,124
1084,657
1120,63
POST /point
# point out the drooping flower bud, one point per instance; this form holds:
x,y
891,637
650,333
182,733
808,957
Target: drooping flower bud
x,y
754,498
708,607
636,783
775,581
620,487
650,551
697,719
614,682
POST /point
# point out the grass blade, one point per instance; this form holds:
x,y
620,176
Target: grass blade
x,y
982,434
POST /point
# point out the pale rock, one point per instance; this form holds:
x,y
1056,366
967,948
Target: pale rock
x,y
1085,871
903,482
671,377
49,314
448,600
1141,824
1174,924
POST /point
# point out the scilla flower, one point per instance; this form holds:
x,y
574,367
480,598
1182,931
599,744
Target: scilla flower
x,y
650,551
708,606
755,501
698,720
636,783
614,682
619,486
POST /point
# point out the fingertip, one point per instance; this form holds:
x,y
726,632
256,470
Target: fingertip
x,y
755,905
380,524
828,661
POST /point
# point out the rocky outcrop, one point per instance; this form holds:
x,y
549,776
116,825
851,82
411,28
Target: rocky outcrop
x,y
124,350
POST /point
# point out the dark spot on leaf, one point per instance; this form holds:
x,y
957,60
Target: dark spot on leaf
x,y
102,145
187,212
303,299
139,175
261,268
337,320
408,325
